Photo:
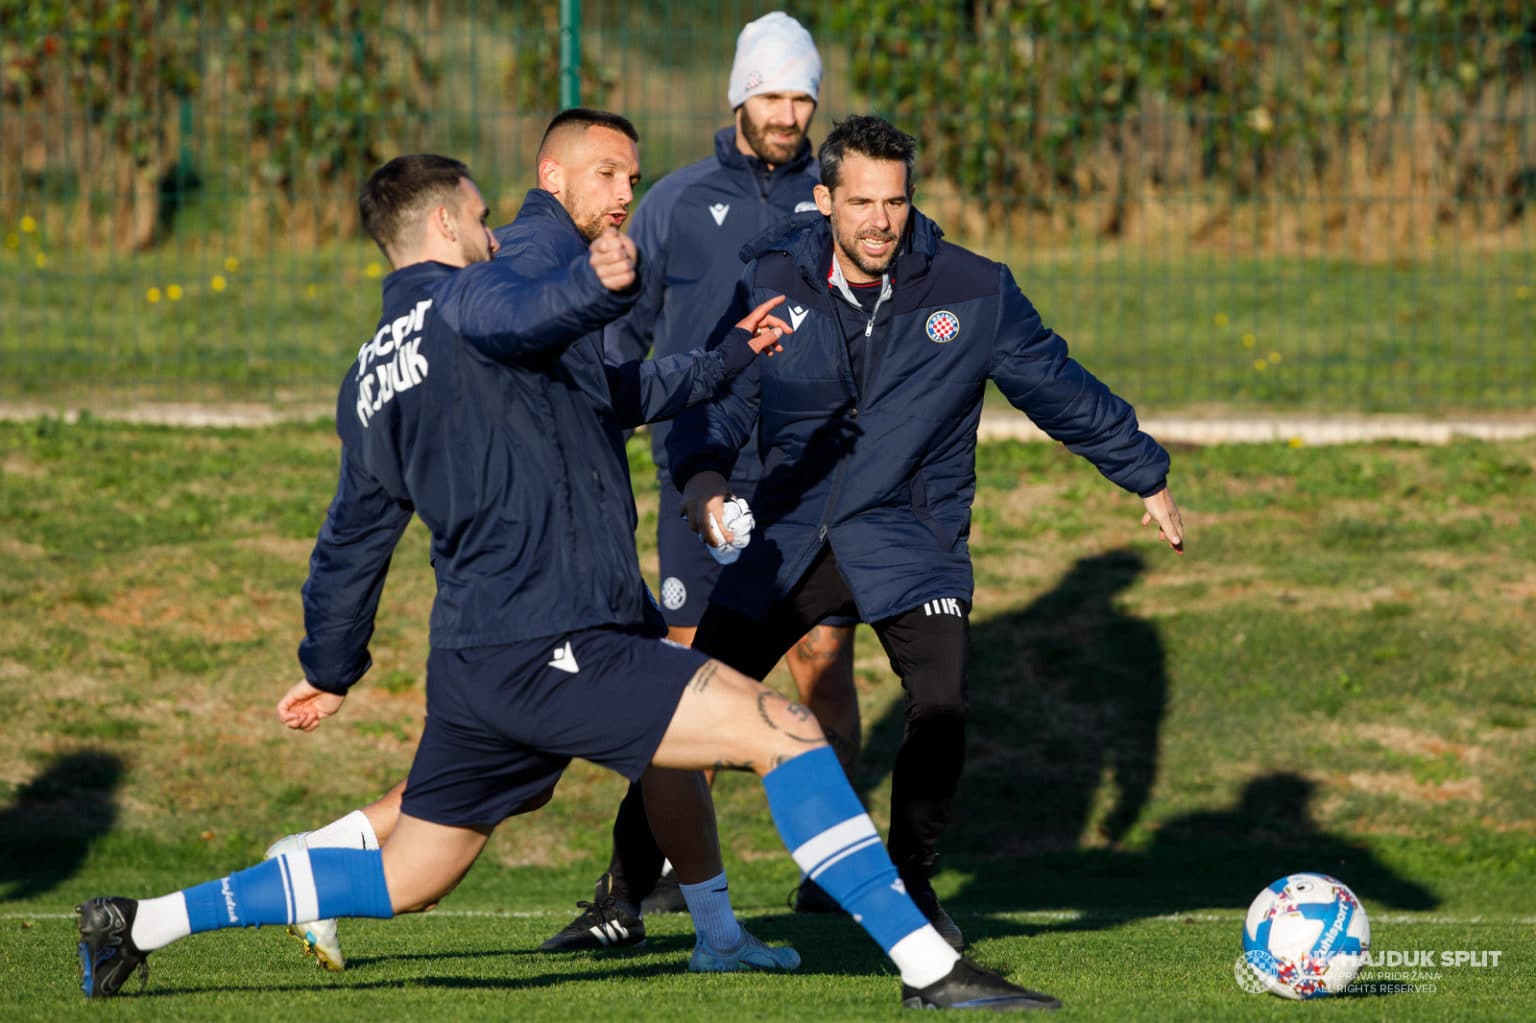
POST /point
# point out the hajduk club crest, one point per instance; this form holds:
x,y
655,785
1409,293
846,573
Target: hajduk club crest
x,y
943,327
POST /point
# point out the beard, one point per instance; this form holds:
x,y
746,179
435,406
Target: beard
x,y
589,224
768,150
848,245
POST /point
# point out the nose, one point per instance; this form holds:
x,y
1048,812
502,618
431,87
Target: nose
x,y
491,238
626,194
882,217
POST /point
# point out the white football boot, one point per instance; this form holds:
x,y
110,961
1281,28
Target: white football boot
x,y
318,936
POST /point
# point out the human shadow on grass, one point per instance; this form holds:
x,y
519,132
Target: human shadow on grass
x,y
1067,701
49,827
551,978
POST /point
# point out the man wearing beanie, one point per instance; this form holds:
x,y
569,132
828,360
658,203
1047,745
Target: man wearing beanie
x,y
692,226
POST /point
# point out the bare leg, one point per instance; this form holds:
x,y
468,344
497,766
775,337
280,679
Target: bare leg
x,y
681,815
425,861
822,666
384,812
729,721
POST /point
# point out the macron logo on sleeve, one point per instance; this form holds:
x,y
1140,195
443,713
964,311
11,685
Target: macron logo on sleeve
x,y
797,315
718,211
565,660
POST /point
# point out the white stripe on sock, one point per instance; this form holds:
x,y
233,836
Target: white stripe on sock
x,y
828,863
287,879
923,957
833,841
301,879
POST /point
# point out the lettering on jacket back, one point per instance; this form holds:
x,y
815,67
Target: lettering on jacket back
x,y
391,362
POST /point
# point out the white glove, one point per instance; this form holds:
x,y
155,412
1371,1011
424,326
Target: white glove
x,y
738,519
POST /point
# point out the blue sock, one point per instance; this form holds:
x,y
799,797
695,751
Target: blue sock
x,y
293,888
835,843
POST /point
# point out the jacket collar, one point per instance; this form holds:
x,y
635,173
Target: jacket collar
x,y
729,156
408,281
541,205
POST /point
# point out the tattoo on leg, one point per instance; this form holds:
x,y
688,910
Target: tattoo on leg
x,y
795,710
814,646
702,678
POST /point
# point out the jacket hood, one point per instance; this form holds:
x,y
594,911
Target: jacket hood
x,y
806,238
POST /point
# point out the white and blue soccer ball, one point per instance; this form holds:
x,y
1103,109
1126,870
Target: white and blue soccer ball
x,y
1306,936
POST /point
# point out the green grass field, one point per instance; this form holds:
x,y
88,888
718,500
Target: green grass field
x,y
1449,333
1335,677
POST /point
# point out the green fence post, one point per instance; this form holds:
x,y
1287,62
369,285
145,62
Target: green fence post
x,y
570,53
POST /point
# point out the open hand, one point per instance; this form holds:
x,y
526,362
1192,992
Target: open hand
x,y
303,707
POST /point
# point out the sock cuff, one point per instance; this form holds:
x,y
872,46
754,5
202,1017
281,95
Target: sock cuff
x,y
718,881
354,831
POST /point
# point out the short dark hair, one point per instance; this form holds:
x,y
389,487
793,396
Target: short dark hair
x,y
868,136
398,193
586,117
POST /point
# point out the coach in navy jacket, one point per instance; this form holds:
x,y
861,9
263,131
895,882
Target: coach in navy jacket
x,y
883,466
867,432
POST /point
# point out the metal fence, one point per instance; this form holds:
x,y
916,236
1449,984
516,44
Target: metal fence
x,y
1244,205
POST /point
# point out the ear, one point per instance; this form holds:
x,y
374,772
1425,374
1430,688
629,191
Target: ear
x,y
551,176
444,223
823,196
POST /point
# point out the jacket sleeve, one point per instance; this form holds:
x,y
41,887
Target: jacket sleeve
x,y
346,577
710,435
630,339
511,317
645,391
1031,367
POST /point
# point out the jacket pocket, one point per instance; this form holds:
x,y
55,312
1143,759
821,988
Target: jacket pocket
x,y
924,513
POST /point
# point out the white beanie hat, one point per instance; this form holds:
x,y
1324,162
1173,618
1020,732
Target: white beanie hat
x,y
774,54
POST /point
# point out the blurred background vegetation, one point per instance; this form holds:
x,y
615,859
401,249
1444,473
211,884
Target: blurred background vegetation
x,y
1242,161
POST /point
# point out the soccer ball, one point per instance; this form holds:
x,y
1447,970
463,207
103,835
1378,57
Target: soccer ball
x,y
1306,936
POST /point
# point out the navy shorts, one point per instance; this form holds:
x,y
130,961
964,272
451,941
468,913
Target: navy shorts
x,y
688,571
504,721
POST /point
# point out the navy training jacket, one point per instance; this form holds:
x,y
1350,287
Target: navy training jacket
x,y
692,226
482,403
884,468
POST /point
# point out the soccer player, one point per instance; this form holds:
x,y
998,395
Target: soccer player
x,y
868,428
477,407
691,226
587,166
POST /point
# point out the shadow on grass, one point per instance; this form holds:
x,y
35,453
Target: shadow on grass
x,y
1067,699
48,829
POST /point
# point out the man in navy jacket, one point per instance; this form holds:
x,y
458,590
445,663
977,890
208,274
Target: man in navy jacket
x,y
867,434
587,167
691,226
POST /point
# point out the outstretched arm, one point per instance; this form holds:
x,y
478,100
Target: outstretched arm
x,y
647,391
510,317
1034,371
